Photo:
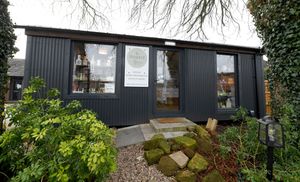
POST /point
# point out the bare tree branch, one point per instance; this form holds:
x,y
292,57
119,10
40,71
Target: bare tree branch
x,y
188,16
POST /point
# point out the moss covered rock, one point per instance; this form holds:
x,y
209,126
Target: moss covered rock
x,y
197,163
213,176
158,136
167,166
154,142
175,147
189,152
186,142
204,145
202,133
185,176
153,156
190,134
164,145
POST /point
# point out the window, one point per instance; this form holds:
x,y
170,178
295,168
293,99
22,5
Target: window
x,y
226,82
15,88
94,68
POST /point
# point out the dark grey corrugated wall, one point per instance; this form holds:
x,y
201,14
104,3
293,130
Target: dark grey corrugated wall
x,y
201,94
247,79
45,57
200,85
49,58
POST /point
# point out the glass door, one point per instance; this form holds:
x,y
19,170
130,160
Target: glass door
x,y
167,81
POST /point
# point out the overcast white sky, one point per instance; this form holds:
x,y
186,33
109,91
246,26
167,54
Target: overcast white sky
x,y
46,14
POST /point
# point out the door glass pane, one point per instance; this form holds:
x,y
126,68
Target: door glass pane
x,y
167,85
226,81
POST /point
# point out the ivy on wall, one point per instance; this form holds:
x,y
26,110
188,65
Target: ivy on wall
x,y
278,24
7,49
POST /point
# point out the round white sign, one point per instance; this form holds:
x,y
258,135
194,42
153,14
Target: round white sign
x,y
136,58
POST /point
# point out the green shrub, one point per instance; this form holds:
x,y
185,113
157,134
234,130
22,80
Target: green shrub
x,y
252,156
50,142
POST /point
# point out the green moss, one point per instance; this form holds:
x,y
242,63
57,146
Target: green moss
x,y
213,177
175,147
197,163
158,136
164,145
202,133
167,166
204,145
153,156
185,176
190,135
186,142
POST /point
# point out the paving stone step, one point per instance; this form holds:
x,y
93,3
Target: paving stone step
x,y
179,124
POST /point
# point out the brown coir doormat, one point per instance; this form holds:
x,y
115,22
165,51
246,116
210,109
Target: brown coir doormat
x,y
171,120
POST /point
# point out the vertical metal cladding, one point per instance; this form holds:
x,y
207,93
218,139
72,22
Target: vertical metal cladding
x,y
260,90
49,58
200,85
247,79
45,58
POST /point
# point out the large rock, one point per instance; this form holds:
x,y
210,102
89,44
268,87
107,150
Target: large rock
x,y
204,145
197,163
154,142
203,140
175,147
180,158
213,176
167,166
158,136
164,145
186,142
202,133
190,134
186,176
153,156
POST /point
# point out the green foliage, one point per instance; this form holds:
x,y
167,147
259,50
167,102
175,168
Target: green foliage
x,y
7,49
251,155
277,22
55,143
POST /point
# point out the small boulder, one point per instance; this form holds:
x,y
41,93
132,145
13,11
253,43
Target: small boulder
x,y
175,147
158,136
202,133
186,142
204,145
164,145
197,163
190,134
153,156
189,152
180,158
167,166
154,142
213,176
186,176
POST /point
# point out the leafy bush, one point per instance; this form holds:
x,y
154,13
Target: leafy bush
x,y
251,155
50,142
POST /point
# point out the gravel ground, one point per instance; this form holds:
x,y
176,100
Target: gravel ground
x,y
133,167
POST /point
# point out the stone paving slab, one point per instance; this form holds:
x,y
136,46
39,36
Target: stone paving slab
x,y
144,132
171,127
180,158
129,136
